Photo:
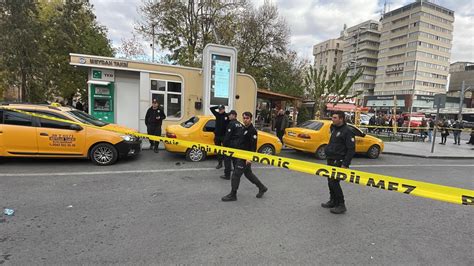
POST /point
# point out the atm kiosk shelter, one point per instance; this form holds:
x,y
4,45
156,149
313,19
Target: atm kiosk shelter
x,y
121,91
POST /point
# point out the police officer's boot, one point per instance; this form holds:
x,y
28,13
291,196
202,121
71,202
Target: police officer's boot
x,y
261,191
232,196
339,209
219,165
225,177
329,204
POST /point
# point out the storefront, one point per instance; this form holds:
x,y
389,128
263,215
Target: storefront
x,y
121,91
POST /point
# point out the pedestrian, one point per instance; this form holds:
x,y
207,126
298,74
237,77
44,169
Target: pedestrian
x,y
372,123
79,106
243,137
471,139
153,120
339,152
444,131
430,130
457,128
281,123
423,126
222,120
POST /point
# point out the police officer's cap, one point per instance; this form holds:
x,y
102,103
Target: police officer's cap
x,y
233,112
221,107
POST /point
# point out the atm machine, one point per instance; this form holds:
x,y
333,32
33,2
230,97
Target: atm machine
x,y
102,101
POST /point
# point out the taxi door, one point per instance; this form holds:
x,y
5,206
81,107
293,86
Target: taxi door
x,y
57,138
17,134
207,133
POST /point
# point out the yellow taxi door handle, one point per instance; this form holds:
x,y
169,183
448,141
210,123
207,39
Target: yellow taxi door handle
x,y
43,134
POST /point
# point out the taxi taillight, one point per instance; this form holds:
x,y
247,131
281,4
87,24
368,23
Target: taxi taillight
x,y
304,136
170,135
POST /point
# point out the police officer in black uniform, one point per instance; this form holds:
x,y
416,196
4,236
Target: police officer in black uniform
x,y
222,120
339,152
242,137
153,119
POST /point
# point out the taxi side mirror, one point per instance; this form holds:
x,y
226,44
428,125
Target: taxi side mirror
x,y
75,127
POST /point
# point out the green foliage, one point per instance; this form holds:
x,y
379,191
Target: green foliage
x,y
47,31
261,36
326,88
303,115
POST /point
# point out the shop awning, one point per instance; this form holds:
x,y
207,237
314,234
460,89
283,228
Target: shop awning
x,y
346,107
98,82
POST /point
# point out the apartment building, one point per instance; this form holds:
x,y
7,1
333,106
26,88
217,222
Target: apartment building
x,y
361,45
414,54
328,54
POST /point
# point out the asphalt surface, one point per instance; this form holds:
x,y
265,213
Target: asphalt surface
x,y
159,209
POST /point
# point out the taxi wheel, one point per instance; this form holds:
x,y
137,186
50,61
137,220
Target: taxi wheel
x,y
104,154
195,155
320,153
373,152
267,149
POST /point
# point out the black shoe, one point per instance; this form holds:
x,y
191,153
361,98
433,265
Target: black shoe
x,y
219,165
339,209
459,143
225,177
230,197
261,191
329,204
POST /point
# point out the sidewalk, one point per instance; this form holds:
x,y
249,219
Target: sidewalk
x,y
423,149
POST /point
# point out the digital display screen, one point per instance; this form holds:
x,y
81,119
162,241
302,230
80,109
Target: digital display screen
x,y
102,90
220,79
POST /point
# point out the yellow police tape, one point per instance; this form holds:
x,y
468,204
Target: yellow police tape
x,y
401,185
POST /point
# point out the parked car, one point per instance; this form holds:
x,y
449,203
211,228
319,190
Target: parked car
x,y
200,129
312,136
23,135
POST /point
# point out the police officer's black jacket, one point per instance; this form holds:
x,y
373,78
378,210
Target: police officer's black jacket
x,y
222,120
341,144
232,134
248,138
152,114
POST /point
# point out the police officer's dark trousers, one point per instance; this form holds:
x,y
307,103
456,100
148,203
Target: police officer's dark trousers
x,y
154,130
227,160
241,168
335,190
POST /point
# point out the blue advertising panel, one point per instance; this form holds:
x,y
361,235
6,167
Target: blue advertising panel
x,y
220,79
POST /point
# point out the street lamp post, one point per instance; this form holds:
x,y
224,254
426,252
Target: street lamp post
x,y
152,42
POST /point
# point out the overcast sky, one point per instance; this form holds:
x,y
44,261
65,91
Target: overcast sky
x,y
310,22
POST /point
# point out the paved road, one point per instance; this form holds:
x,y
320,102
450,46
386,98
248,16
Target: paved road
x,y
160,209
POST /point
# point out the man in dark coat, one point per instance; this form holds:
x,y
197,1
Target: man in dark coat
x,y
222,120
153,120
339,152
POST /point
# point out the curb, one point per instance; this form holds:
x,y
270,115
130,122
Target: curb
x,y
429,156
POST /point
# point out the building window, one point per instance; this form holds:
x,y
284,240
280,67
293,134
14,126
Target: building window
x,y
170,97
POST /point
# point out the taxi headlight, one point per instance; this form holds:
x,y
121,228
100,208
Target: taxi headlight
x,y
128,138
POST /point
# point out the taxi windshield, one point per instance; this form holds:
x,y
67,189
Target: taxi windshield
x,y
87,118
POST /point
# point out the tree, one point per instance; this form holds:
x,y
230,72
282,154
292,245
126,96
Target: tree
x,y
185,27
69,26
324,89
131,49
20,32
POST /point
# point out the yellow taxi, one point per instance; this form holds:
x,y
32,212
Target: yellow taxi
x,y
313,136
23,135
201,129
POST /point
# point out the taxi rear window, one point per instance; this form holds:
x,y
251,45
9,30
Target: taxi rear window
x,y
313,125
190,122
